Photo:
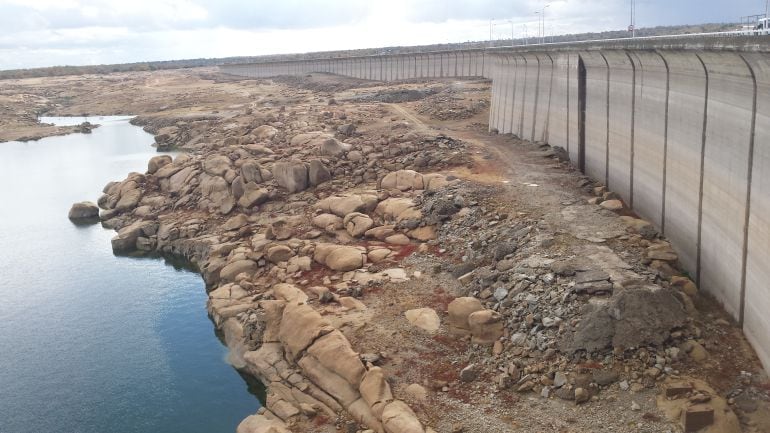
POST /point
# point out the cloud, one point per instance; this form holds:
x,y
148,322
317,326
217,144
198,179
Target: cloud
x,y
50,32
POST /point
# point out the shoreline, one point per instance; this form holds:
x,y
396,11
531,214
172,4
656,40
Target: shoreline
x,y
325,229
233,311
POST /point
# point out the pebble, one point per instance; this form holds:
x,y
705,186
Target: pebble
x,y
546,392
500,293
469,373
581,395
559,379
550,322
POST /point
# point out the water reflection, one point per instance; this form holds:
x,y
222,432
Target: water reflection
x,y
91,342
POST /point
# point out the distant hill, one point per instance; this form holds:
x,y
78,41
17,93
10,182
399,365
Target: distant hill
x,y
193,63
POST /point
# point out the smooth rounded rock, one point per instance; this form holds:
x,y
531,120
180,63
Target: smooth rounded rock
x,y
83,210
424,318
345,259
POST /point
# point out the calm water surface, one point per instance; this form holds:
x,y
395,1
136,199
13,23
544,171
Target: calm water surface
x,y
90,342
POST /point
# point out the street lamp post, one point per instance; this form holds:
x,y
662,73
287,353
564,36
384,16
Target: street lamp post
x,y
492,24
526,36
541,27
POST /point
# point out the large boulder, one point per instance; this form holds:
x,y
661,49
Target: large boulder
x,y
291,175
253,195
357,223
339,257
331,147
305,139
262,424
402,180
334,352
486,326
128,199
235,222
459,311
345,259
83,211
218,192
216,165
328,222
375,390
156,162
398,417
342,206
229,272
167,170
289,293
251,172
424,318
125,240
279,253
264,133
392,207
179,179
318,173
300,327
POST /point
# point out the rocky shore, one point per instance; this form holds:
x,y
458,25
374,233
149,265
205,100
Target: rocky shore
x,y
380,274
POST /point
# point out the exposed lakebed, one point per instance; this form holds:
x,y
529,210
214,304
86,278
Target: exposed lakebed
x,y
91,342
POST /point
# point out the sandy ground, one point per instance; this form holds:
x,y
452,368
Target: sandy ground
x,y
511,177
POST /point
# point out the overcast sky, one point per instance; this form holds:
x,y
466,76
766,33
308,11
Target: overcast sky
x,y
37,33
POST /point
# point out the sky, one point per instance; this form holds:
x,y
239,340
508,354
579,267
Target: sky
x,y
36,33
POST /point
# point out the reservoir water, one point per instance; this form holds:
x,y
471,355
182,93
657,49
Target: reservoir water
x,y
91,342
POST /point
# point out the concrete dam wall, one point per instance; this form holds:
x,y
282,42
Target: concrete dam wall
x,y
679,127
465,63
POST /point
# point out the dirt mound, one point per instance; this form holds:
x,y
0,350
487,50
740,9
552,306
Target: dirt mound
x,y
324,83
632,318
448,105
396,96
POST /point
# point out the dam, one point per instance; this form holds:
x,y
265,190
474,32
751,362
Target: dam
x,y
679,127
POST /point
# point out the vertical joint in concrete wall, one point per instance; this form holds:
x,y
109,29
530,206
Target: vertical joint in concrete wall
x,y
633,128
537,97
569,114
702,165
546,136
665,143
607,143
744,254
523,98
582,100
513,89
499,78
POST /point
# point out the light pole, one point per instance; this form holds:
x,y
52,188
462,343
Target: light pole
x,y
526,36
541,23
633,19
492,24
538,25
